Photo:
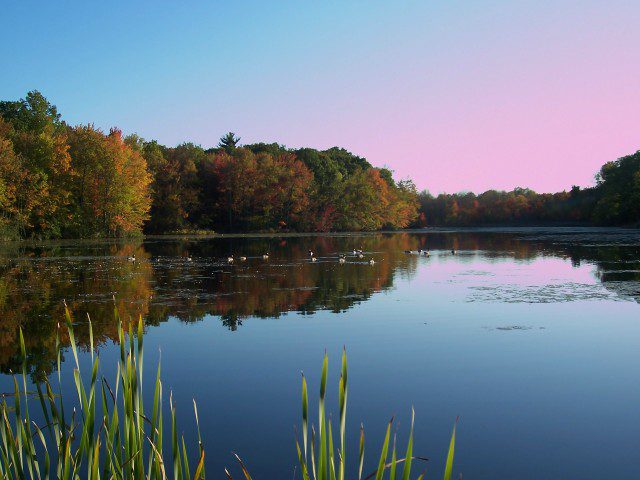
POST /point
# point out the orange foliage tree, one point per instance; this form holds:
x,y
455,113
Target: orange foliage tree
x,y
261,191
111,189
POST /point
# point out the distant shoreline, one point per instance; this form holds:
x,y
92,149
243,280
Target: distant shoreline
x,y
512,229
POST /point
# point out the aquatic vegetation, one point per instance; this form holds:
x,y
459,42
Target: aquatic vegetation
x,y
323,459
110,435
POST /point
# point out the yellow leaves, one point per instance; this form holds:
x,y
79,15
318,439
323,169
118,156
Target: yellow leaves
x,y
112,191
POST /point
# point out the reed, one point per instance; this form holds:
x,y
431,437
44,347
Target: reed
x,y
109,435
323,460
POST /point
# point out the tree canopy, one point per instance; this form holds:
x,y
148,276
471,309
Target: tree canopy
x,y
59,180
619,186
520,206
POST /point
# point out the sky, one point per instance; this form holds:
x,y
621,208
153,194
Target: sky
x,y
458,96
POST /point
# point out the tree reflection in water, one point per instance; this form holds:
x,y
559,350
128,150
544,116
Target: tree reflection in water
x,y
163,283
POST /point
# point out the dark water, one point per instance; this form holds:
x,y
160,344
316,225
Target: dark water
x,y
531,336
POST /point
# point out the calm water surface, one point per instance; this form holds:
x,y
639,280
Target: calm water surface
x,y
531,336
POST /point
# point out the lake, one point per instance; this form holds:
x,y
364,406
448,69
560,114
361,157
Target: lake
x,y
531,336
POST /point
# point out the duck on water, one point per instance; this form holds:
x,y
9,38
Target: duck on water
x,y
417,252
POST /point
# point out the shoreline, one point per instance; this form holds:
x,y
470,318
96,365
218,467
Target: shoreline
x,y
513,229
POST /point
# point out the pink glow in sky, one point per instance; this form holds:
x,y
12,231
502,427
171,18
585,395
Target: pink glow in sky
x,y
458,95
504,98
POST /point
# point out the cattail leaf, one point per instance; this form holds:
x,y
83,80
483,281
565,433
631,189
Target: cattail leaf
x,y
452,445
384,452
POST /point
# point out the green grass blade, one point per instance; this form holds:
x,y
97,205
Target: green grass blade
x,y
305,416
47,460
140,351
361,452
384,452
185,461
159,461
14,457
303,462
322,455
72,339
45,410
452,445
406,471
332,467
392,468
95,464
177,468
312,450
58,353
343,394
66,470
90,336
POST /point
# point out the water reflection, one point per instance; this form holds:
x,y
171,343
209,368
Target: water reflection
x,y
164,282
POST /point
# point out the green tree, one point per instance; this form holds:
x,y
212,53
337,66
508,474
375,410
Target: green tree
x,y
619,187
403,204
39,139
33,113
228,142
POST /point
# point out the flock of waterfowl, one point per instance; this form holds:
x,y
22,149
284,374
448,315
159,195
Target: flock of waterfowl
x,y
342,258
425,252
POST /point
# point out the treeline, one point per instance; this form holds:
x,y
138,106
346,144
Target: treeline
x,y
520,206
58,180
615,200
267,187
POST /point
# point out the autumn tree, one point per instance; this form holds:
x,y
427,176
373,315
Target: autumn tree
x,y
176,188
261,191
403,204
57,180
38,138
111,192
284,190
16,191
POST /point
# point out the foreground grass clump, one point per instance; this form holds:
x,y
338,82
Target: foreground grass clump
x,y
110,436
118,440
321,461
